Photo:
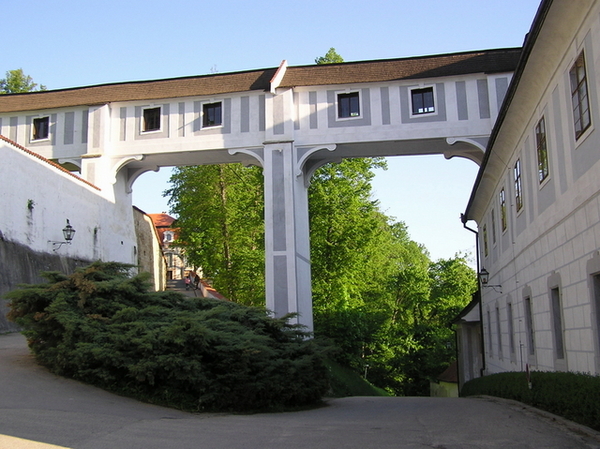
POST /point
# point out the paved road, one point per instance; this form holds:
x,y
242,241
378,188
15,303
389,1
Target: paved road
x,y
36,406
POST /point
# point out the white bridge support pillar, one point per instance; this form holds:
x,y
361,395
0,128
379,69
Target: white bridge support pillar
x,y
287,247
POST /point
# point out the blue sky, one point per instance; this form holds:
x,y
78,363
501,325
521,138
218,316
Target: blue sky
x,y
72,43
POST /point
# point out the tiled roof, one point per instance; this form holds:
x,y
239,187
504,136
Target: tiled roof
x,y
487,61
139,90
47,161
161,220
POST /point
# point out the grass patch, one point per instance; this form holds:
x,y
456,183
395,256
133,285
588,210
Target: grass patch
x,y
344,382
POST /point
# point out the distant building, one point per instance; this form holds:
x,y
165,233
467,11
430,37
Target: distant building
x,y
174,255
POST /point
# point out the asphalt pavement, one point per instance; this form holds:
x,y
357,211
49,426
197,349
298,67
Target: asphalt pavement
x,y
39,410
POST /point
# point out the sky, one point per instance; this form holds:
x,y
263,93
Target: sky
x,y
74,43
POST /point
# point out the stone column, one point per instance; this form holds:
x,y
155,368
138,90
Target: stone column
x,y
287,248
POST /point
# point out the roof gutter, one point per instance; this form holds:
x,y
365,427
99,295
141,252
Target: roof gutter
x,y
530,41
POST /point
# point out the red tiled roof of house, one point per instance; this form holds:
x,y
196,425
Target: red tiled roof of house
x,y
47,161
161,220
486,61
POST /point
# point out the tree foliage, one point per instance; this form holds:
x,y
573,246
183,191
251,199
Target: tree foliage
x,y
103,327
17,82
220,210
376,293
331,57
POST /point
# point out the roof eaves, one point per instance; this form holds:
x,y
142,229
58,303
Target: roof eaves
x,y
530,40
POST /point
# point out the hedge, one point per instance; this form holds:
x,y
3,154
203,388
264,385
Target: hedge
x,y
104,327
574,396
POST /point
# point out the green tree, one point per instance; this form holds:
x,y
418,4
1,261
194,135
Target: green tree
x,y
220,210
17,82
331,57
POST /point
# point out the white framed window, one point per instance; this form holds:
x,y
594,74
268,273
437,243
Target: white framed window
x,y
212,114
151,118
422,101
579,96
348,105
40,129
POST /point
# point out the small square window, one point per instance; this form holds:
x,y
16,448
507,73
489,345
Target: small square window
x,y
348,105
422,101
151,120
41,128
212,114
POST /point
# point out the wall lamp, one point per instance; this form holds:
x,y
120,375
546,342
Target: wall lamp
x,y
484,277
68,234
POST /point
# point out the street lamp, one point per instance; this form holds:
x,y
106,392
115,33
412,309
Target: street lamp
x,y
484,277
68,234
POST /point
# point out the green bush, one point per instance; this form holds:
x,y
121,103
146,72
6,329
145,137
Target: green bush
x,y
103,327
574,396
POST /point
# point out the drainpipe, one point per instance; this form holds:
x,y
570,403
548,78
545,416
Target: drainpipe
x,y
464,222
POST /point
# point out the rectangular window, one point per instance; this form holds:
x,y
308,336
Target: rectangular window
x,y
422,101
151,120
485,241
518,185
41,128
559,345
348,105
511,330
596,287
529,326
542,149
503,221
493,227
490,346
212,114
579,96
499,332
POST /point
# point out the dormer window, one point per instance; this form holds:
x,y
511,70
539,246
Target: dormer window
x,y
422,101
348,105
41,128
151,120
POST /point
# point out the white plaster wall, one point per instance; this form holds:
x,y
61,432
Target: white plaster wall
x,y
562,239
104,229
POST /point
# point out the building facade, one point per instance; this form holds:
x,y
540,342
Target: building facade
x,y
288,120
536,202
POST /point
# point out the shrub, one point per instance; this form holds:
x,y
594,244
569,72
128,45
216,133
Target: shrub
x,y
574,396
103,327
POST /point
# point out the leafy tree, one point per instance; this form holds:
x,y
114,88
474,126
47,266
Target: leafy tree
x,y
17,82
220,210
331,57
376,293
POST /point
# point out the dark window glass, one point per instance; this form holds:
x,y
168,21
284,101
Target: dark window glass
x,y
151,119
348,105
422,101
212,114
529,326
518,186
579,96
503,220
559,344
542,149
41,128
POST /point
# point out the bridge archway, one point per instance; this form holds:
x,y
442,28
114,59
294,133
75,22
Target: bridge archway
x,y
288,120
